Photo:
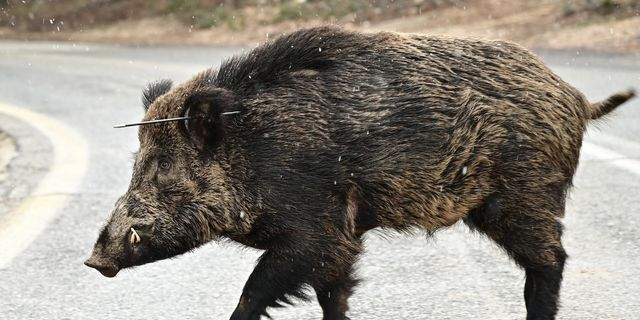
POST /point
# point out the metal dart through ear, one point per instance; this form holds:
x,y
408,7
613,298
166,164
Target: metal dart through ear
x,y
142,123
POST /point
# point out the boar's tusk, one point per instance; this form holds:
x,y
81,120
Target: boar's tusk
x,y
135,238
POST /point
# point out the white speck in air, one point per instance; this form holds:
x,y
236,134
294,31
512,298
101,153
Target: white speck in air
x,y
464,170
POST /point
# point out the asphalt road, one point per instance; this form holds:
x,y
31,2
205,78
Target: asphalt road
x,y
454,275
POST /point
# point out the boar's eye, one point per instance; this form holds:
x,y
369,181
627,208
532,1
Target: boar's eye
x,y
164,165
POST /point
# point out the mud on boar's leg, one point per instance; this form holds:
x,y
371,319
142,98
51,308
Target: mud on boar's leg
x,y
282,271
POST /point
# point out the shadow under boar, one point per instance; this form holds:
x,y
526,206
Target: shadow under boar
x,y
305,143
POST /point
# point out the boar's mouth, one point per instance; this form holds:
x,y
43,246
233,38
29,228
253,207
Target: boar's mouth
x,y
108,270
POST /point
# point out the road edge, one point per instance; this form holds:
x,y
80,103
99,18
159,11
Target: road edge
x,y
24,224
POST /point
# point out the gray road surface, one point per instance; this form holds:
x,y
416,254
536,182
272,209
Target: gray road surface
x,y
455,275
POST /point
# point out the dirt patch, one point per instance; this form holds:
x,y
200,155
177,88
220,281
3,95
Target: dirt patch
x,y
539,24
616,36
599,25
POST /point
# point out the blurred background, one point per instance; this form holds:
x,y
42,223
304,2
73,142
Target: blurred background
x,y
595,24
71,69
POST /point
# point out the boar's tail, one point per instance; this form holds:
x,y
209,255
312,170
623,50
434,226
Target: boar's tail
x,y
601,108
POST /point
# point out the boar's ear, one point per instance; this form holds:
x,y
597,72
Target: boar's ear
x,y
153,91
208,111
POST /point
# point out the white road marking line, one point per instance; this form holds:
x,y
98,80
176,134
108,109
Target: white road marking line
x,y
611,157
70,161
618,140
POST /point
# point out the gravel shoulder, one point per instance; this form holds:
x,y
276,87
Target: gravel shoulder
x,y
7,152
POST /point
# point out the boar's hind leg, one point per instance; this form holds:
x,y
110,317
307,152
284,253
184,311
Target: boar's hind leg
x,y
282,273
531,235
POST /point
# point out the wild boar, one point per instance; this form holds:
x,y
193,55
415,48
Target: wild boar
x,y
305,143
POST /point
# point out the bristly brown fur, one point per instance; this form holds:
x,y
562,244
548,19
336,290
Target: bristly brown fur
x,y
154,90
341,132
602,108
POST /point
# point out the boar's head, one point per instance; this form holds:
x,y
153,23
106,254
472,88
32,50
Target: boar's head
x,y
179,196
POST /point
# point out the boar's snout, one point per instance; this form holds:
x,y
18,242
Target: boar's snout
x,y
107,269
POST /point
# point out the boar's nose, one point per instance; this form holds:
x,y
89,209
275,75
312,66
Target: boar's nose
x,y
107,269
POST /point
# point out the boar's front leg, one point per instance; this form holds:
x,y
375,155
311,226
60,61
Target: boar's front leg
x,y
282,272
334,298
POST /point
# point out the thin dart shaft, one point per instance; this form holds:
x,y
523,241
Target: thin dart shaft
x,y
142,123
150,122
